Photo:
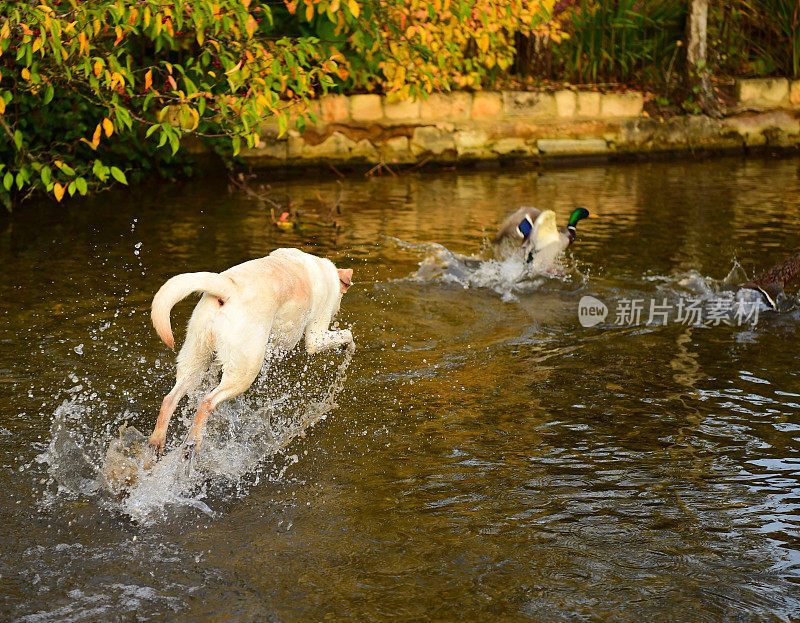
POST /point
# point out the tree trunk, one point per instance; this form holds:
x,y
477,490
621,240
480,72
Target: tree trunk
x,y
698,79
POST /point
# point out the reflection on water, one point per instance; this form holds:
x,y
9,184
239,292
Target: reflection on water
x,y
489,457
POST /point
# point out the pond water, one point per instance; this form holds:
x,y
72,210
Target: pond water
x,y
490,457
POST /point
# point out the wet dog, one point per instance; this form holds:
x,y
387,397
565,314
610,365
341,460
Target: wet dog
x,y
260,308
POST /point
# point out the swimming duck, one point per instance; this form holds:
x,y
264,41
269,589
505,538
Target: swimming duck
x,y
537,229
772,282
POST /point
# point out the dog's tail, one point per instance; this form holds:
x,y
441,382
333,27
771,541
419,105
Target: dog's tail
x,y
179,287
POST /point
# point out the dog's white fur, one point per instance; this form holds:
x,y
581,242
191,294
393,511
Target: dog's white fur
x,y
260,307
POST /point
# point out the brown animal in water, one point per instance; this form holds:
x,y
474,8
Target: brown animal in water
x,y
771,283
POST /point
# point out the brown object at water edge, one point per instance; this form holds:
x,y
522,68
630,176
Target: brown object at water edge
x,y
772,282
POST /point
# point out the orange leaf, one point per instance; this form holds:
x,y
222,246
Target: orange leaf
x,y
172,83
108,127
96,136
2,105
84,43
309,11
98,68
251,26
148,79
354,8
58,191
118,30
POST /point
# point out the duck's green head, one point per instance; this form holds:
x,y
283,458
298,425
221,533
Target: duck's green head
x,y
577,215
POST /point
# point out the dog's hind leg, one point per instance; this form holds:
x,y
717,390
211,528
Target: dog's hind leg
x,y
237,376
193,361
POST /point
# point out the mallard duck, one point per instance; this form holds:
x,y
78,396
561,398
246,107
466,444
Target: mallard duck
x,y
772,282
537,229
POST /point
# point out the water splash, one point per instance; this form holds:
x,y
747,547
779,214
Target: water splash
x,y
242,436
705,288
500,268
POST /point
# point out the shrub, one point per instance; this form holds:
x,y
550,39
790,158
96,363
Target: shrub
x,y
92,92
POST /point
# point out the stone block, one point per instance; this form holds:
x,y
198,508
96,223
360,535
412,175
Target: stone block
x,y
336,147
471,142
486,104
395,148
588,104
364,150
402,110
566,104
763,92
430,139
773,128
572,146
269,148
512,146
628,104
366,107
529,104
334,108
794,94
446,106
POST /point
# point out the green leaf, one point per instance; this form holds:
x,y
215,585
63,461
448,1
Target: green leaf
x,y
81,185
71,188
118,175
100,171
46,174
48,94
8,180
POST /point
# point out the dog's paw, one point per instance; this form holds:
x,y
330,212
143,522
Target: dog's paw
x,y
189,450
156,447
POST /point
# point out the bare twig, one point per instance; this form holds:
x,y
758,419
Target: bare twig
x,y
240,181
378,168
336,206
419,165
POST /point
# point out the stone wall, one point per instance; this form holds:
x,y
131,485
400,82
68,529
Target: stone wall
x,y
507,125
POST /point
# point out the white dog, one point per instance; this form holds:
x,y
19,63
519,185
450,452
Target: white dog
x,y
258,307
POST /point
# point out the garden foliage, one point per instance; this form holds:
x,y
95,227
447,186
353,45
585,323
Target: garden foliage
x,y
99,91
